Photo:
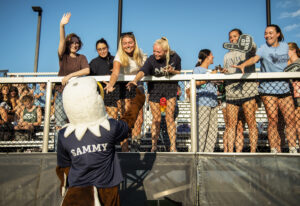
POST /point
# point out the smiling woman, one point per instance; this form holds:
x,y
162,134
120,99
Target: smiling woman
x,y
71,64
129,59
166,61
275,94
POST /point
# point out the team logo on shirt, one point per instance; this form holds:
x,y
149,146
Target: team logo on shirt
x,y
88,149
162,71
278,59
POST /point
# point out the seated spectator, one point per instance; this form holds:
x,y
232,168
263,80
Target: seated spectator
x,y
5,126
20,106
19,87
40,95
5,101
4,97
14,96
31,116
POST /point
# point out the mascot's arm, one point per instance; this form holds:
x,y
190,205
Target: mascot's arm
x,y
136,105
63,164
62,174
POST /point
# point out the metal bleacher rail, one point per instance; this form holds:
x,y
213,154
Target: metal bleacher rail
x,y
185,139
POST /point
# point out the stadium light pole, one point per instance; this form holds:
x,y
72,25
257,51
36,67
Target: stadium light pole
x,y
268,6
38,34
120,9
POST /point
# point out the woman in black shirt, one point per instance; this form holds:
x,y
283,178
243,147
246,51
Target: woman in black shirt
x,y
102,65
163,62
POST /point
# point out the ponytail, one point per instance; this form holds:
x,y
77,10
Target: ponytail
x,y
164,43
202,56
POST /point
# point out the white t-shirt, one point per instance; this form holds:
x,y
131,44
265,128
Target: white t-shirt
x,y
132,68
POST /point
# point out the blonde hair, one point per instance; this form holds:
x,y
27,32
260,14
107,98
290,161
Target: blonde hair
x,y
137,54
293,45
164,43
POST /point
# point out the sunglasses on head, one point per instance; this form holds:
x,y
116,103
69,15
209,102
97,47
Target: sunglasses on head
x,y
126,33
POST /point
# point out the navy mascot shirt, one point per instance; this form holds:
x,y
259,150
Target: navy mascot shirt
x,y
92,160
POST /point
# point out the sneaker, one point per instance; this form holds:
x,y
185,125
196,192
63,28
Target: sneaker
x,y
274,150
292,150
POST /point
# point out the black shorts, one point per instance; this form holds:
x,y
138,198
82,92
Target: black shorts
x,y
155,96
279,96
124,93
239,102
110,99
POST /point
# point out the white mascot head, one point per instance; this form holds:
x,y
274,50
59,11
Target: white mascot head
x,y
84,107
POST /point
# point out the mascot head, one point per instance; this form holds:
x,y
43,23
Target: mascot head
x,y
84,107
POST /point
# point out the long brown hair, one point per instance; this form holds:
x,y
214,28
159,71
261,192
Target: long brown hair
x,y
292,46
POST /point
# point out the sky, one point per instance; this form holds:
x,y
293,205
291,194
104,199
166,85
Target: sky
x,y
189,25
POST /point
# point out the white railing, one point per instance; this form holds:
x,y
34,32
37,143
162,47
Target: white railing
x,y
182,77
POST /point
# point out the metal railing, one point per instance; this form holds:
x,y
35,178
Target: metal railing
x,y
191,78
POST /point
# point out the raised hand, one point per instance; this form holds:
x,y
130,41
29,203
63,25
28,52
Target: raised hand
x,y
65,19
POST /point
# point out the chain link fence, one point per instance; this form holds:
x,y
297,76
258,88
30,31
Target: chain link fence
x,y
232,116
22,117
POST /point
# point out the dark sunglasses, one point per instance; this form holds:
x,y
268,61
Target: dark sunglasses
x,y
126,33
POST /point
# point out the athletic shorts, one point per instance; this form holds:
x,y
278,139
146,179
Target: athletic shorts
x,y
155,96
126,93
239,102
276,95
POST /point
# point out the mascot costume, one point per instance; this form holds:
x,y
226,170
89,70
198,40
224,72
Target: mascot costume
x,y
87,164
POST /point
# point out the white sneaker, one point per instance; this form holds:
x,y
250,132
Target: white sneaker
x,y
274,150
292,150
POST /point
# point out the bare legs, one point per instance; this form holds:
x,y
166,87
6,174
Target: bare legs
x,y
249,108
286,106
297,112
171,126
155,127
233,125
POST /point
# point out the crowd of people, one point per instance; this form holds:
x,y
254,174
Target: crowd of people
x,y
239,105
24,106
87,160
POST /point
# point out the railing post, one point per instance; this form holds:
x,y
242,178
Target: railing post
x,y
194,142
47,117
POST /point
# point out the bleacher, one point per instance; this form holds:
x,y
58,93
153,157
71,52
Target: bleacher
x,y
25,141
